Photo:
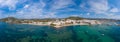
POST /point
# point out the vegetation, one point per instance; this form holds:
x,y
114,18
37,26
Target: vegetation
x,y
37,20
52,24
15,20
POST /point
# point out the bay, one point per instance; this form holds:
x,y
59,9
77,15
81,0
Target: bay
x,y
75,33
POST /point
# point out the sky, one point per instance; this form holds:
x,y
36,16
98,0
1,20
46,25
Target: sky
x,y
60,8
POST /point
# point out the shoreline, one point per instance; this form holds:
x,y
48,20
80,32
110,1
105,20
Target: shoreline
x,y
58,26
61,23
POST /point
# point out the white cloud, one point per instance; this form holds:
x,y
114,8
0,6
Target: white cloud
x,y
1,14
102,7
112,16
50,15
42,4
82,5
114,10
88,14
58,4
26,6
98,6
35,10
81,14
10,3
32,10
75,15
109,14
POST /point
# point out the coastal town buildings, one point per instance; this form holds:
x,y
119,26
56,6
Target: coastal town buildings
x,y
55,23
60,23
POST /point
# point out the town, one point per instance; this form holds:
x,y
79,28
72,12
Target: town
x,y
55,22
61,23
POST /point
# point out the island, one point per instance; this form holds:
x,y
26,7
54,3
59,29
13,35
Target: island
x,y
56,22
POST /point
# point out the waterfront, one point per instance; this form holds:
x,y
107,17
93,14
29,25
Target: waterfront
x,y
75,33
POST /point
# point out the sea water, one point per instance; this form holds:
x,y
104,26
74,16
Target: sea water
x,y
75,33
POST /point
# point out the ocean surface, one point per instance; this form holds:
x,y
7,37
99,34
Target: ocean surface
x,y
77,33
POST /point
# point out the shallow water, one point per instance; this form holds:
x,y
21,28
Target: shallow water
x,y
32,33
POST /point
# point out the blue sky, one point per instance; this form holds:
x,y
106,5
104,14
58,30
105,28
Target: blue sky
x,y
60,8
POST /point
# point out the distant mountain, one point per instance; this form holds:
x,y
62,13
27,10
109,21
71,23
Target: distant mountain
x,y
104,19
75,18
9,18
16,20
12,19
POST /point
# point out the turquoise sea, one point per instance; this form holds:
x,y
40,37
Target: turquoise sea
x,y
77,33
